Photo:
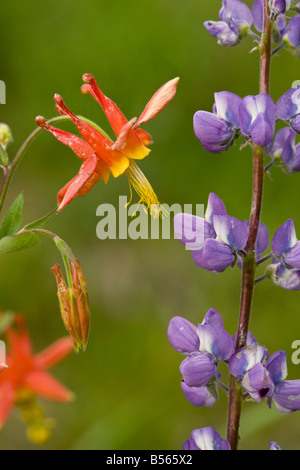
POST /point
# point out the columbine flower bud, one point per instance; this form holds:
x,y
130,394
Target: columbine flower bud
x,y
5,135
74,304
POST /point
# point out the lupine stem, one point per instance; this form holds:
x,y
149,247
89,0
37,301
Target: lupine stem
x,y
249,263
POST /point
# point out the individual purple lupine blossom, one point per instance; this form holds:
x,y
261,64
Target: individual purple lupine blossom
x,y
288,107
281,276
286,246
286,394
214,239
204,346
274,446
236,20
284,152
206,439
217,131
248,364
291,36
257,118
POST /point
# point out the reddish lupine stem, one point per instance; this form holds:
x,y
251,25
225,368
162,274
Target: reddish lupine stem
x,y
249,265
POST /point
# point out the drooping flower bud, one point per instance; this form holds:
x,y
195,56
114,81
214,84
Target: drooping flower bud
x,y
74,304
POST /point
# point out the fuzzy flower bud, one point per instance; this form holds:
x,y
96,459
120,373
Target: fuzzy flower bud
x,y
74,304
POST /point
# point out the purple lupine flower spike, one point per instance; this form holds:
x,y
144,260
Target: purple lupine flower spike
x,y
286,245
206,439
288,107
257,118
216,131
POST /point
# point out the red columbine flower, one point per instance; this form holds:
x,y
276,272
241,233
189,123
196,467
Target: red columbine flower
x,y
28,372
74,304
101,156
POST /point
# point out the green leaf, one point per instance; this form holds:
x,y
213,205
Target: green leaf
x,y
13,217
40,222
18,242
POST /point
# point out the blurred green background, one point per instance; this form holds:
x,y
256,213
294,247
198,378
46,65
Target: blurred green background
x,y
127,383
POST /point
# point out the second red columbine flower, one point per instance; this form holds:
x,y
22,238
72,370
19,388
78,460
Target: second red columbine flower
x,y
101,156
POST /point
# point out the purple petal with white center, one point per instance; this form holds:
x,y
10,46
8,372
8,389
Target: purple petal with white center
x,y
213,318
226,35
199,396
206,439
277,367
284,238
236,10
215,206
230,231
210,129
292,32
244,359
216,256
288,104
216,341
183,335
227,107
274,446
287,396
198,368
191,230
292,256
258,14
258,383
255,112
